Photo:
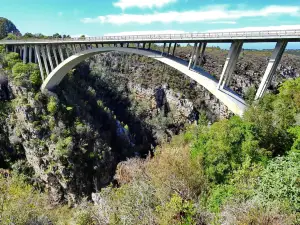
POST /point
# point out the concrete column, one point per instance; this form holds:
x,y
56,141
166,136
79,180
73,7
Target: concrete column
x,y
174,49
45,60
271,68
38,56
61,55
169,48
55,55
144,45
30,54
25,54
163,51
21,53
149,47
74,49
102,45
192,55
49,57
233,55
67,51
35,56
197,54
15,48
86,46
202,53
6,48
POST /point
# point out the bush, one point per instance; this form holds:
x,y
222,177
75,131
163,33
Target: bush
x,y
24,72
225,146
280,181
52,106
11,59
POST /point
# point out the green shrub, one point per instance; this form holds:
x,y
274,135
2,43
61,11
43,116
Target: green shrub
x,y
280,181
11,59
52,105
225,146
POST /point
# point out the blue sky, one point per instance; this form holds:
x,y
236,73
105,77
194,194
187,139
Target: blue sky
x,y
101,17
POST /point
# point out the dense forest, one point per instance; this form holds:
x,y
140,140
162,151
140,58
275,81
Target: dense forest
x,y
127,140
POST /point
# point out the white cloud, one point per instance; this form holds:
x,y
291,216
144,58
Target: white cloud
x,y
79,35
212,14
148,32
124,4
222,22
269,28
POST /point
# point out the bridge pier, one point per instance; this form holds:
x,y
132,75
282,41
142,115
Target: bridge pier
x,y
25,54
61,55
15,48
149,46
197,54
169,48
74,49
38,56
163,51
271,68
229,66
30,54
192,55
49,57
55,55
45,60
174,49
202,53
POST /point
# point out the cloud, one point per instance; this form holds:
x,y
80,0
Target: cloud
x,y
212,14
146,32
124,4
269,28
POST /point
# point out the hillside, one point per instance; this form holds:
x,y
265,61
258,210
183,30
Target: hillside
x,y
6,27
127,140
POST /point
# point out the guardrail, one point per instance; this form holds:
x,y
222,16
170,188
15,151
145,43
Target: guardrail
x,y
187,36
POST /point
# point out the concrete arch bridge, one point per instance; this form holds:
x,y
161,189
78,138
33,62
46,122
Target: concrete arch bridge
x,y
56,57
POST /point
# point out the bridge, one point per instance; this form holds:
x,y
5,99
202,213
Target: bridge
x,y
57,56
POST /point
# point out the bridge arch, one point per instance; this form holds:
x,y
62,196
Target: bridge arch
x,y
231,100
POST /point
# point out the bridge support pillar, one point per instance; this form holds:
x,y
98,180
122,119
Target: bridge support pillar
x,y
192,55
61,55
169,48
174,49
144,45
35,57
49,57
233,55
202,53
55,54
197,54
15,48
25,54
67,50
38,56
271,68
149,46
163,51
74,49
30,54
6,48
45,60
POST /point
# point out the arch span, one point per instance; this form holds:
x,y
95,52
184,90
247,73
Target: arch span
x,y
231,100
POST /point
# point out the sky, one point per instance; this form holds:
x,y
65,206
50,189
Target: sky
x,y
113,17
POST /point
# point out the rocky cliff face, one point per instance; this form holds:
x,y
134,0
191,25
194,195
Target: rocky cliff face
x,y
6,27
111,107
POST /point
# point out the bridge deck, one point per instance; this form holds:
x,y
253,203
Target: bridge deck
x,y
248,36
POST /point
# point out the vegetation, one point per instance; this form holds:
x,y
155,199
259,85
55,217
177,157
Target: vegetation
x,y
234,171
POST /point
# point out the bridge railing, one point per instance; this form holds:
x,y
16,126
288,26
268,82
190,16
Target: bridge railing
x,y
187,36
